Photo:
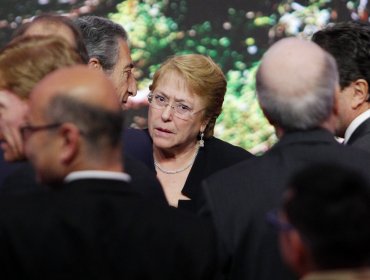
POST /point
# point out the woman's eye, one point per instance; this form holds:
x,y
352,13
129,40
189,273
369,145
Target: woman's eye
x,y
160,98
183,107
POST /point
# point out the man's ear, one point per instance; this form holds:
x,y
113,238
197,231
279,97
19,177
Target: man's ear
x,y
94,63
70,144
295,252
360,93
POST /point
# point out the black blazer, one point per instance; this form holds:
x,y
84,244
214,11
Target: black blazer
x,y
238,198
214,156
101,229
361,136
7,168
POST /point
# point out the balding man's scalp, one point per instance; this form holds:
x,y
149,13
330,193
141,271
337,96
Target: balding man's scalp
x,y
81,83
296,82
292,65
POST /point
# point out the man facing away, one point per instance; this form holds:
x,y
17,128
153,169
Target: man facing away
x,y
296,86
349,44
95,225
323,227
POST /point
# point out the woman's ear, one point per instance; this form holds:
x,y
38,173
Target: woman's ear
x,y
204,125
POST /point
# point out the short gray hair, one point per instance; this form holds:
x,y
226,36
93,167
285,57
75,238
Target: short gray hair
x,y
101,39
303,111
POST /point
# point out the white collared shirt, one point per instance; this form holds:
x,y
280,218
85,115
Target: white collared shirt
x,y
97,174
355,124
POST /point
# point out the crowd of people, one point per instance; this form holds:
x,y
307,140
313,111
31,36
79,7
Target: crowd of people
x,y
81,196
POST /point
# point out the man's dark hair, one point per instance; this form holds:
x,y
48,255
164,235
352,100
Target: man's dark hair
x,y
330,208
101,128
58,20
349,44
101,39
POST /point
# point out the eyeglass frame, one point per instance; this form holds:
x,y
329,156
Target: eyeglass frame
x,y
27,130
272,217
151,96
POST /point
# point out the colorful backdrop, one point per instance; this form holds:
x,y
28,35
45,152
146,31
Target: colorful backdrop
x,y
234,33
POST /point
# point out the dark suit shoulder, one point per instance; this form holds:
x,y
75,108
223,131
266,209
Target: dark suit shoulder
x,y
96,227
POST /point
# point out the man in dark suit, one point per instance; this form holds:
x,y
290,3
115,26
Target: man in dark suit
x,y
95,225
349,44
296,85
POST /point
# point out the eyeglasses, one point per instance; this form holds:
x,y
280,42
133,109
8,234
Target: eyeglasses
x,y
181,110
273,218
27,130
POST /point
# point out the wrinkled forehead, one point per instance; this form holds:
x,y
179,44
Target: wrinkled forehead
x,y
174,78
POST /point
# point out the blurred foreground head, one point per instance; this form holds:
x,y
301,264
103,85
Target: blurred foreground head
x,y
23,63
329,209
55,25
74,123
296,84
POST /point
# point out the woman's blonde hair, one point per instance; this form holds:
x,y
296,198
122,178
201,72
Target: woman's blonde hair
x,y
26,60
203,77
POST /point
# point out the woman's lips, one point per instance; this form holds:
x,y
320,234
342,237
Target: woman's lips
x,y
163,132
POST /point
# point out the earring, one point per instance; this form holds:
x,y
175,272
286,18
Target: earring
x,y
201,141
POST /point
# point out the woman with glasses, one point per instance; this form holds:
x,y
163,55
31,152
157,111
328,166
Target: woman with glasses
x,y
185,100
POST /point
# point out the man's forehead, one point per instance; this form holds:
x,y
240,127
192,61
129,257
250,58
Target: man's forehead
x,y
124,55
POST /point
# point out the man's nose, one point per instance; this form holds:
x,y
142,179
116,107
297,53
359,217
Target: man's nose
x,y
168,111
132,86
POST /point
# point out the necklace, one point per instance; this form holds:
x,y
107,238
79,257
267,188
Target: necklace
x,y
178,170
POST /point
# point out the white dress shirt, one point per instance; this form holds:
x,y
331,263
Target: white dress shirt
x,y
97,174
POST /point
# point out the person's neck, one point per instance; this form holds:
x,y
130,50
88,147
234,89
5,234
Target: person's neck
x,y
109,162
175,158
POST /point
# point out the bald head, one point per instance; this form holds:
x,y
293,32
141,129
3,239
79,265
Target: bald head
x,y
80,83
296,82
81,124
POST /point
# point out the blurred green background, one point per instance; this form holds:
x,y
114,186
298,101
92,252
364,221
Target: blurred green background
x,y
234,33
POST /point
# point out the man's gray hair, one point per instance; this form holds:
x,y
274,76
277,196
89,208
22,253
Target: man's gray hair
x,y
306,104
101,128
101,39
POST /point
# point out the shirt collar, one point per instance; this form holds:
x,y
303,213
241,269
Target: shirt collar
x,y
97,174
355,124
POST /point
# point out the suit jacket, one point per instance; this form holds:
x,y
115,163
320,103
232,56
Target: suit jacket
x,y
24,180
238,198
101,229
361,136
7,168
137,145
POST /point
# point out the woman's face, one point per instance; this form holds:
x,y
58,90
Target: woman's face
x,y
170,130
